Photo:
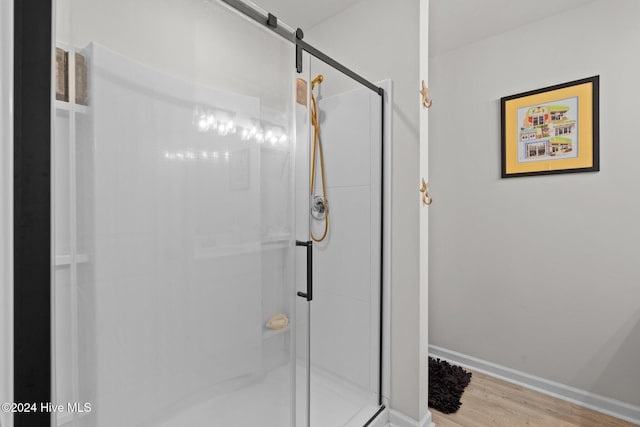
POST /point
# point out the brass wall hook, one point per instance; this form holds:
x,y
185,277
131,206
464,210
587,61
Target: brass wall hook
x,y
424,189
426,101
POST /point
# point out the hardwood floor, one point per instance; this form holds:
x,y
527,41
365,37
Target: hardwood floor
x,y
488,401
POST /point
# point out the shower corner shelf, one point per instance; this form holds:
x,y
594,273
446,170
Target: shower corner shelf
x,y
66,106
62,260
270,333
275,149
276,238
269,243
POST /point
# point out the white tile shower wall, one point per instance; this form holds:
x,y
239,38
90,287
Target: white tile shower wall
x,y
345,123
63,330
177,252
277,286
344,313
61,182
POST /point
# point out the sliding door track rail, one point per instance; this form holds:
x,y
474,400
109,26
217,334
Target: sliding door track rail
x,y
270,21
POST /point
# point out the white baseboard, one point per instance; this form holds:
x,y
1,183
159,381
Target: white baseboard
x,y
615,408
398,419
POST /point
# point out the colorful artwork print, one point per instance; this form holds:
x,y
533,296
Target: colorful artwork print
x,y
548,131
551,130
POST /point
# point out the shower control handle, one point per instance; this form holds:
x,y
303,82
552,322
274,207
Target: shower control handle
x,y
309,294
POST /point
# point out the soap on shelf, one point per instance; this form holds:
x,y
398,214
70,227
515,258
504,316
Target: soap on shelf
x,y
277,321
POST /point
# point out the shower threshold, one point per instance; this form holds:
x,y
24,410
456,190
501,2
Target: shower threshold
x,y
335,404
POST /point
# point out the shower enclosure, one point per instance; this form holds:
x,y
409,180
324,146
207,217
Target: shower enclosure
x,y
187,289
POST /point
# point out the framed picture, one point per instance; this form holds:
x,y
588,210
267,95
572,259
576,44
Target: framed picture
x,y
551,130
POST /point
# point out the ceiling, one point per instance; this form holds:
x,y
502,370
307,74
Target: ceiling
x,y
305,13
456,23
452,23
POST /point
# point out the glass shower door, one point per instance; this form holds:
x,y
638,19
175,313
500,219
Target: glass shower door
x,y
302,206
341,215
175,266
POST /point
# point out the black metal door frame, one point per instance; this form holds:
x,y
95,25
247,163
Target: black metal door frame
x,y
32,254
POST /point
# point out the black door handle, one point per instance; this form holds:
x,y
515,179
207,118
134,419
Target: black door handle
x,y
309,294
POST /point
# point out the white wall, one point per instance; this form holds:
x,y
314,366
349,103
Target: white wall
x,y
6,205
573,316
379,39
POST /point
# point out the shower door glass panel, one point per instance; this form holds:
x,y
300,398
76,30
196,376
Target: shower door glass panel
x,y
302,306
344,313
174,139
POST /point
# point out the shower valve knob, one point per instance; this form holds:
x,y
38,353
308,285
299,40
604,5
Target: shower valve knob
x,y
318,207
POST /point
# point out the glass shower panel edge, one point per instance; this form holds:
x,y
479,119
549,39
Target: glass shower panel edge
x,y
302,208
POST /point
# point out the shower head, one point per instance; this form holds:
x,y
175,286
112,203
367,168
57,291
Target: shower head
x,y
317,80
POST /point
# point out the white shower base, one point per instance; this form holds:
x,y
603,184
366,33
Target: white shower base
x,y
267,403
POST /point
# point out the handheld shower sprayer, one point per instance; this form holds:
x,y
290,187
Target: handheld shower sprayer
x,y
319,206
319,78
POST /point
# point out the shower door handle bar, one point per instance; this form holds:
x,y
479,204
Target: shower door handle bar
x,y
309,294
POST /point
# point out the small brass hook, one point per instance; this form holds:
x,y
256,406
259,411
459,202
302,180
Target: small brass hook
x,y
426,102
424,189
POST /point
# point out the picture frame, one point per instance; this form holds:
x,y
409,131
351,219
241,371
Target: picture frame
x,y
551,130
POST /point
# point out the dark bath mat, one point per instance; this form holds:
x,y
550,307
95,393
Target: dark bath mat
x,y
446,385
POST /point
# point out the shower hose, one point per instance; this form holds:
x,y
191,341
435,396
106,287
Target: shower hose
x,y
317,148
